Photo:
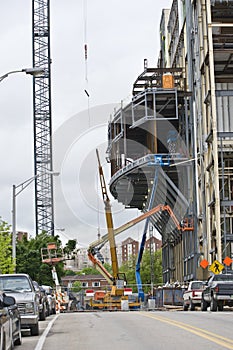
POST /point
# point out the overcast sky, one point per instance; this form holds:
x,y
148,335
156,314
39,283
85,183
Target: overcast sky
x,y
119,35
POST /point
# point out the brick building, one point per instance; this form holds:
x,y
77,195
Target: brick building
x,y
129,248
95,282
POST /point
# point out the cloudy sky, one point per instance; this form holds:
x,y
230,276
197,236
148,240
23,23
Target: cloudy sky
x,y
119,35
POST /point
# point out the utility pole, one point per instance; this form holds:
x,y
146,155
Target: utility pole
x,y
43,162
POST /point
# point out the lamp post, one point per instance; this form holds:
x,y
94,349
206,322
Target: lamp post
x,y
17,189
35,71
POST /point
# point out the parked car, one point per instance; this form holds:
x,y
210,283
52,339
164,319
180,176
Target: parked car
x,y
192,295
10,326
43,301
218,292
20,286
51,299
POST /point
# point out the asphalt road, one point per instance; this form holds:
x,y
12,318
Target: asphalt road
x,y
136,330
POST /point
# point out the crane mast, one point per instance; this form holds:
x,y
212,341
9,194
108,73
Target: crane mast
x,y
43,165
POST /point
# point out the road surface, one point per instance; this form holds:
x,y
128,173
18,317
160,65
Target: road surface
x,y
136,330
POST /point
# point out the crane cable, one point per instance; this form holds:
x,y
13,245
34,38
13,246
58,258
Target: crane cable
x,y
85,36
86,58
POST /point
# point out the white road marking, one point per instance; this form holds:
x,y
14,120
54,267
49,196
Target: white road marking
x,y
44,334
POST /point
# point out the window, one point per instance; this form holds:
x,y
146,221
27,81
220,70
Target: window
x,y
84,284
95,284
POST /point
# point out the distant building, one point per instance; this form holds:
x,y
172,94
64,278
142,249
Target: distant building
x,y
87,281
153,244
21,234
129,248
82,259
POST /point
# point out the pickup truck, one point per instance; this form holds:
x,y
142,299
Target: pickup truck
x,y
218,292
192,295
20,286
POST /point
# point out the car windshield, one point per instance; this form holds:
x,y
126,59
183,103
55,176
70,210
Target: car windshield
x,y
14,284
223,278
197,285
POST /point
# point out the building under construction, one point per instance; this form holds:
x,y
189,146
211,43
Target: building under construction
x,y
172,144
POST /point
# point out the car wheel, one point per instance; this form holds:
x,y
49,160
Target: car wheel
x,y
42,315
213,305
35,329
18,341
192,306
3,342
220,306
185,307
204,305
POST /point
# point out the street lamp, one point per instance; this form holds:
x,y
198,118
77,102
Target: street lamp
x,y
17,189
35,71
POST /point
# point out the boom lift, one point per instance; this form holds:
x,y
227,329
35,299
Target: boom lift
x,y
118,280
52,256
186,225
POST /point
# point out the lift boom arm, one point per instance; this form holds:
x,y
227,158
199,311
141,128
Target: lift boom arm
x,y
109,220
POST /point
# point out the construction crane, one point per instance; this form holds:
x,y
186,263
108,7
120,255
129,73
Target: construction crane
x,y
43,162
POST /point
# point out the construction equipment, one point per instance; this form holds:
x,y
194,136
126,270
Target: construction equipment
x,y
117,280
185,225
52,256
115,298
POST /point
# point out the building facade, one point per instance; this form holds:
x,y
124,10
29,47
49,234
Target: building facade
x,y
170,147
129,248
200,40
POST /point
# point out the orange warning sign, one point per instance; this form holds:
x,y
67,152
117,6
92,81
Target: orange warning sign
x,y
204,263
227,261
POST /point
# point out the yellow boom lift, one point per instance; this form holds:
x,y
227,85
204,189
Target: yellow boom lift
x,y
117,281
113,298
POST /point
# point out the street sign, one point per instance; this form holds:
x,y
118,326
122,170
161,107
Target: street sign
x,y
216,267
227,261
204,263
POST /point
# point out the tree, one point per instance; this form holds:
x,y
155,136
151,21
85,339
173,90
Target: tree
x,y
151,267
6,263
70,247
89,271
77,286
29,259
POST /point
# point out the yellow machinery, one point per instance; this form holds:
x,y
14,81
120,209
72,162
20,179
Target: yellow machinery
x,y
112,299
117,281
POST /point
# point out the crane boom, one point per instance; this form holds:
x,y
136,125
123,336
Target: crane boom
x,y
133,222
99,267
109,221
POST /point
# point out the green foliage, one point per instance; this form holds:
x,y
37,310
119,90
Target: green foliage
x,y
89,271
151,269
70,247
70,273
77,286
6,263
108,267
29,258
